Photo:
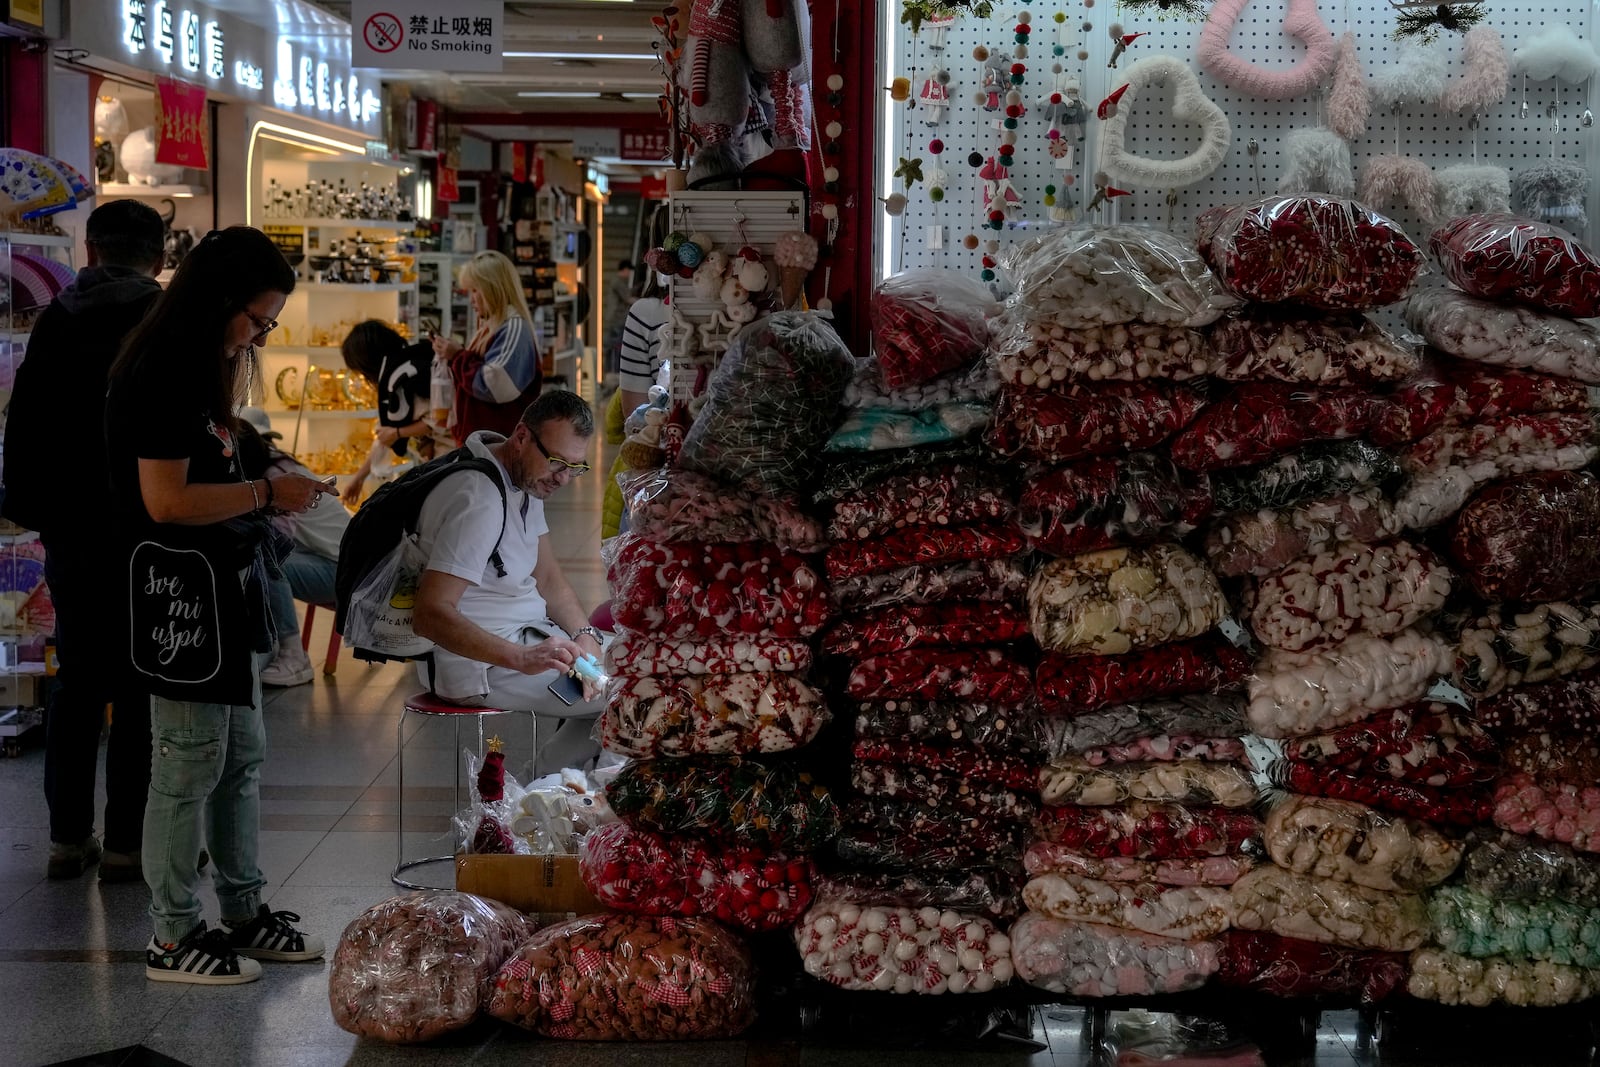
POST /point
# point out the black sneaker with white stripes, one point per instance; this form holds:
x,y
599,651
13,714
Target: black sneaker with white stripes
x,y
271,936
204,957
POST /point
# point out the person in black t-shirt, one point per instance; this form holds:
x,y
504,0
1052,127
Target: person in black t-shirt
x,y
199,547
402,374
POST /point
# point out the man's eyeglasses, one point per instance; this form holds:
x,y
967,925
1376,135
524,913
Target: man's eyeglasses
x,y
557,464
263,326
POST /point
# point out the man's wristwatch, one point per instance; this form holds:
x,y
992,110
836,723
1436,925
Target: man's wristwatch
x,y
591,631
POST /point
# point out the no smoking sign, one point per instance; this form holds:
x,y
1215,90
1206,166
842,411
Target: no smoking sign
x,y
383,32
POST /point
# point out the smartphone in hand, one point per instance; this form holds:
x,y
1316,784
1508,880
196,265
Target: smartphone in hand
x,y
567,689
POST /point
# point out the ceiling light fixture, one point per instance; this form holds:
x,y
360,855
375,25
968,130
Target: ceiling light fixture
x,y
594,95
579,55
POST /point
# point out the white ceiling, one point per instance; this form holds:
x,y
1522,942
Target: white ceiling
x,y
587,27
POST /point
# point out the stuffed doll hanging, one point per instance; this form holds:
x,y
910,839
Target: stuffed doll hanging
x,y
935,96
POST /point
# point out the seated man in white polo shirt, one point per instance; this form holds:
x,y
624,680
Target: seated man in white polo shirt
x,y
501,639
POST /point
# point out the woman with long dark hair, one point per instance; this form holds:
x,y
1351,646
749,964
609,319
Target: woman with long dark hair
x,y
199,545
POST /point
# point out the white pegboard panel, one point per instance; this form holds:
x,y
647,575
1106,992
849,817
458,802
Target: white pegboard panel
x,y
1504,137
732,220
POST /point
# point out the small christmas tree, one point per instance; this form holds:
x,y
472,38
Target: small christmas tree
x,y
491,836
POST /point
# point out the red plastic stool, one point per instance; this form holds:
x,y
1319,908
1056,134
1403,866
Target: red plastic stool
x,y
330,659
428,704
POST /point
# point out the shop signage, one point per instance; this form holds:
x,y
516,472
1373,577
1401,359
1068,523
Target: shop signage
x,y
646,146
462,36
30,12
181,124
651,188
596,143
449,184
309,76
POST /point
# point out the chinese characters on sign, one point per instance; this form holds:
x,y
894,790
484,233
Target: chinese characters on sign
x,y
181,131
412,35
646,146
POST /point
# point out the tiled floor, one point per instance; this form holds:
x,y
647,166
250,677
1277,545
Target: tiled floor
x,y
71,981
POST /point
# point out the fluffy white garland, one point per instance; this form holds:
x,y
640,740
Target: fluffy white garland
x,y
1317,160
1190,105
1416,75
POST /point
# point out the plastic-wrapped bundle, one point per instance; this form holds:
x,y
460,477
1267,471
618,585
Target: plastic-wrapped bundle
x,y
1111,602
1354,843
669,504
980,890
635,653
1506,335
942,848
945,792
1045,857
1164,747
1502,257
951,624
869,390
1507,866
1531,537
926,323
1195,715
1100,503
957,494
618,977
713,714
976,724
942,674
1451,979
420,965
772,402
1011,772
1256,421
1190,912
1451,807
1290,967
1263,542
1448,464
1471,923
1089,275
1569,814
1298,693
921,546
1042,355
1291,345
1141,830
1091,960
879,429
915,824
1430,744
647,874
1462,393
1555,757
1315,250
1323,599
1091,419
1506,647
1327,911
1074,780
846,475
987,580
736,800
901,950
1315,472
1569,703
711,590
1075,684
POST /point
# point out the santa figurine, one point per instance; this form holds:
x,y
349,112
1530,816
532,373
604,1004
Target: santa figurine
x,y
998,192
935,96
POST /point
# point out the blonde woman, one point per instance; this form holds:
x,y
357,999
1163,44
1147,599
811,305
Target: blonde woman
x,y
496,375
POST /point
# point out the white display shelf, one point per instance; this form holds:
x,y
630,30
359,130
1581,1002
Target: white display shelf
x,y
356,287
179,192
344,224
39,240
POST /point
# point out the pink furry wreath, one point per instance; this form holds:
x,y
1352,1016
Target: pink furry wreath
x,y
1488,73
1301,21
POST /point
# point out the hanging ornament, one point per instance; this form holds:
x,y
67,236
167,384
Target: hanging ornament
x,y
1190,104
1423,19
1301,22
1120,42
935,96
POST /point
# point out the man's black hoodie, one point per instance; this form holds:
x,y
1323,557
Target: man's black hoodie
x,y
55,465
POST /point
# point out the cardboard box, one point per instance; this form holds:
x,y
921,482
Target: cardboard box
x,y
540,884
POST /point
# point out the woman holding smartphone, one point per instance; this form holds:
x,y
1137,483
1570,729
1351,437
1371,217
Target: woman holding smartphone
x,y
496,375
200,547
402,375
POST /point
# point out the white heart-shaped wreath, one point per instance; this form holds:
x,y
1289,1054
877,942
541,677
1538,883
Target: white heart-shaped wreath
x,y
1190,105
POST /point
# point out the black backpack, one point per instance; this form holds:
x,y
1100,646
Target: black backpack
x,y
390,514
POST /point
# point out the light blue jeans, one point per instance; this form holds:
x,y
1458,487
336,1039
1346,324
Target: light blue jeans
x,y
205,764
307,577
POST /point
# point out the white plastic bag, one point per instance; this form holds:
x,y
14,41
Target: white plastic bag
x,y
382,606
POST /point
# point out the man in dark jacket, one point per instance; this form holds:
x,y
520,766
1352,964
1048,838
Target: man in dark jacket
x,y
54,432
